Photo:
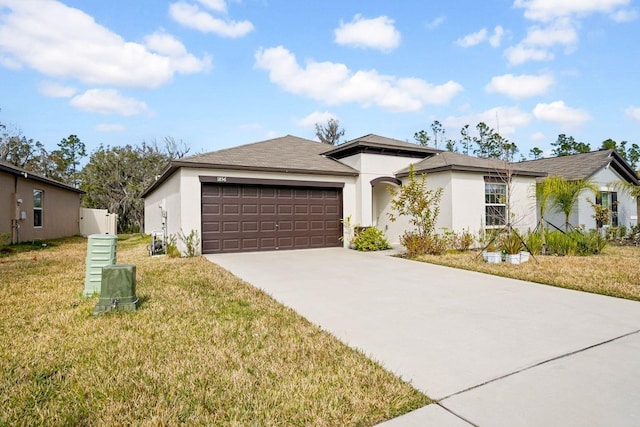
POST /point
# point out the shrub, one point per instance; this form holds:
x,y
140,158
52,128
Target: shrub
x,y
4,239
417,244
574,243
415,201
191,243
510,243
533,239
371,239
461,241
172,247
622,232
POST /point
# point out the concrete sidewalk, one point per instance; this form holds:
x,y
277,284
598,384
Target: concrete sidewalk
x,y
493,351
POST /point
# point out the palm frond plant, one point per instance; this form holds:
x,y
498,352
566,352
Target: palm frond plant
x,y
564,194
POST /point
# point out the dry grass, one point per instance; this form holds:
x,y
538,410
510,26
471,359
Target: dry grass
x,y
204,348
615,272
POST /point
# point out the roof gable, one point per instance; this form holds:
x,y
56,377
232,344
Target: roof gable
x,y
380,145
16,171
583,165
448,161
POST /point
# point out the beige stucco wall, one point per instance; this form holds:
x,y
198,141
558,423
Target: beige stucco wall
x,y
182,195
462,205
372,166
61,209
6,202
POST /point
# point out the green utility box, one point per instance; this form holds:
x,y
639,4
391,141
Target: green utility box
x,y
101,251
118,292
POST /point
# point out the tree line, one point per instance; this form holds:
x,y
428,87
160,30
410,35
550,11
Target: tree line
x,y
488,143
113,178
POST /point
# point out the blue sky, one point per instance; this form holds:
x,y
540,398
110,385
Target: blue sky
x,y
220,73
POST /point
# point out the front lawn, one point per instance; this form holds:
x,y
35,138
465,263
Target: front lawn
x,y
204,348
615,272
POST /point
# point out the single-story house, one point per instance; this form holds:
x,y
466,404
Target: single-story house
x,y
603,168
290,192
34,207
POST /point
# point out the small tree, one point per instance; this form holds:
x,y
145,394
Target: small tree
x,y
535,153
564,194
415,201
330,133
422,138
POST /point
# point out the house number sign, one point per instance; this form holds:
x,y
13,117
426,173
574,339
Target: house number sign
x,y
222,179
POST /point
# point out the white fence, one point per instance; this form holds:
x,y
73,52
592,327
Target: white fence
x,y
97,221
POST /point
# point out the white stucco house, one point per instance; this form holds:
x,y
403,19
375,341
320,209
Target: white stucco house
x,y
293,193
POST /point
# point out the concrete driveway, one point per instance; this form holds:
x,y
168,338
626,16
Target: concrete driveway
x,y
492,351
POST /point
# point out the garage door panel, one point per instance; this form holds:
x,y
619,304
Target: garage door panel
x,y
237,217
285,226
266,226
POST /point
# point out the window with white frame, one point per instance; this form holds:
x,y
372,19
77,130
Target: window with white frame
x,y
495,200
37,208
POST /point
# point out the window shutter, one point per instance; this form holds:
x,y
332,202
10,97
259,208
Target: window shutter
x,y
614,209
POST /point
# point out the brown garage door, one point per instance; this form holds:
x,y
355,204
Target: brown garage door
x,y
246,217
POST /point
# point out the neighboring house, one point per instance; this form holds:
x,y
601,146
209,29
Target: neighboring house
x,y
603,168
33,207
290,192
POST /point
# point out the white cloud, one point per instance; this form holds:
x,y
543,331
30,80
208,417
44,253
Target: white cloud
x,y
473,38
561,32
376,33
625,15
540,39
333,83
316,117
190,15
496,38
519,54
481,36
217,5
435,23
522,86
56,90
560,20
548,10
537,137
633,112
504,120
181,60
108,101
110,127
61,41
559,113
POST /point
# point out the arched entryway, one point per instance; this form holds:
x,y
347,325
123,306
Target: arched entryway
x,y
381,206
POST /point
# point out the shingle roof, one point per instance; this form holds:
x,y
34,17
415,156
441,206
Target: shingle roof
x,y
380,144
16,171
460,162
285,154
581,166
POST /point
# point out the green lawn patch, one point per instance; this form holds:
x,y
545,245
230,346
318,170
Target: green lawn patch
x,y
204,348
